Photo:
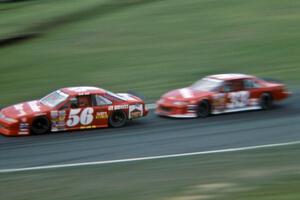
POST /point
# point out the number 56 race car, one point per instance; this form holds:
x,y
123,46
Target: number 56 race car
x,y
71,109
221,93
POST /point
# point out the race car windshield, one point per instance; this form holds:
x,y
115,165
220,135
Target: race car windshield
x,y
54,99
207,84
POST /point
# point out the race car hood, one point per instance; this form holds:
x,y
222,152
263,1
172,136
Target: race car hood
x,y
131,99
185,94
25,109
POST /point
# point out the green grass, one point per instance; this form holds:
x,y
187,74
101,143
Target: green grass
x,y
143,45
265,174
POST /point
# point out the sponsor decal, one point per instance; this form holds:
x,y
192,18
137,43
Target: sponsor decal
x,y
84,117
101,115
23,133
23,129
253,102
238,99
219,102
110,108
58,119
34,106
118,107
88,127
135,111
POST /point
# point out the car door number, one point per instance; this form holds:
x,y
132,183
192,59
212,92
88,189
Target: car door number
x,y
84,118
238,99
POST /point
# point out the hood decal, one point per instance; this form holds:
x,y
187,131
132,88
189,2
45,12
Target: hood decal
x,y
34,106
23,108
186,93
20,109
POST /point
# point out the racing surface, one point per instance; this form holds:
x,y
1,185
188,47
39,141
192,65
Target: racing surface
x,y
153,136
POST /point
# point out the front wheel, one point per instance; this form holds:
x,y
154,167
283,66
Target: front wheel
x,y
203,109
117,119
266,101
40,125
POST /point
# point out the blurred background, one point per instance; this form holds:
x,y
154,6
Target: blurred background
x,y
150,46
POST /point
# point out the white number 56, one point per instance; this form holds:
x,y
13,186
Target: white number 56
x,y
86,116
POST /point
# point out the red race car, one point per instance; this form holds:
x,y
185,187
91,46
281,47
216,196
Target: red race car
x,y
221,93
71,109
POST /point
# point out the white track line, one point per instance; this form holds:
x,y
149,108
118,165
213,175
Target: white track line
x,y
146,158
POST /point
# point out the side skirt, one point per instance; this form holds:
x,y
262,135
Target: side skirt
x,y
236,110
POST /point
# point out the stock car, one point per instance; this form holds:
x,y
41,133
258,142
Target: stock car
x,y
222,93
71,108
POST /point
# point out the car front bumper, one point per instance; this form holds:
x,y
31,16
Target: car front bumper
x,y
168,110
7,129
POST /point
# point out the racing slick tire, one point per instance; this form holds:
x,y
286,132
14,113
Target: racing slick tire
x,y
117,119
204,109
40,125
266,101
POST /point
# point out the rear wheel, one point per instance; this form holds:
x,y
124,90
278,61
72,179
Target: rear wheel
x,y
117,119
203,109
40,125
266,101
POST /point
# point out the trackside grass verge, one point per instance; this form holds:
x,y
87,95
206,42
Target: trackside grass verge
x,y
149,47
263,174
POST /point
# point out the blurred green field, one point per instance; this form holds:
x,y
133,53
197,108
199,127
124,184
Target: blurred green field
x,y
264,174
143,45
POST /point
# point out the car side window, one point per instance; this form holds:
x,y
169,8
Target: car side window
x,y
66,106
71,103
77,102
101,101
232,86
227,87
250,84
84,101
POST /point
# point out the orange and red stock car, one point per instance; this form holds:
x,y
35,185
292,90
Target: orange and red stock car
x,y
221,93
71,109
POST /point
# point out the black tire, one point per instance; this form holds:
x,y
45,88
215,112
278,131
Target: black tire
x,y
117,119
266,101
40,125
204,109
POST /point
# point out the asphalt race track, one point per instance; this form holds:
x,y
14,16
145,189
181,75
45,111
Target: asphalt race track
x,y
153,136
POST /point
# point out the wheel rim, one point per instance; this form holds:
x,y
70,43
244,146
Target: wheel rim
x,y
118,118
203,110
267,102
40,126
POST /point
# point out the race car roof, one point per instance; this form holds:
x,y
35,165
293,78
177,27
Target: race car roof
x,y
230,76
83,90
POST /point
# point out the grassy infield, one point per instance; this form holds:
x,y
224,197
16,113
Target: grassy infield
x,y
151,47
268,174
